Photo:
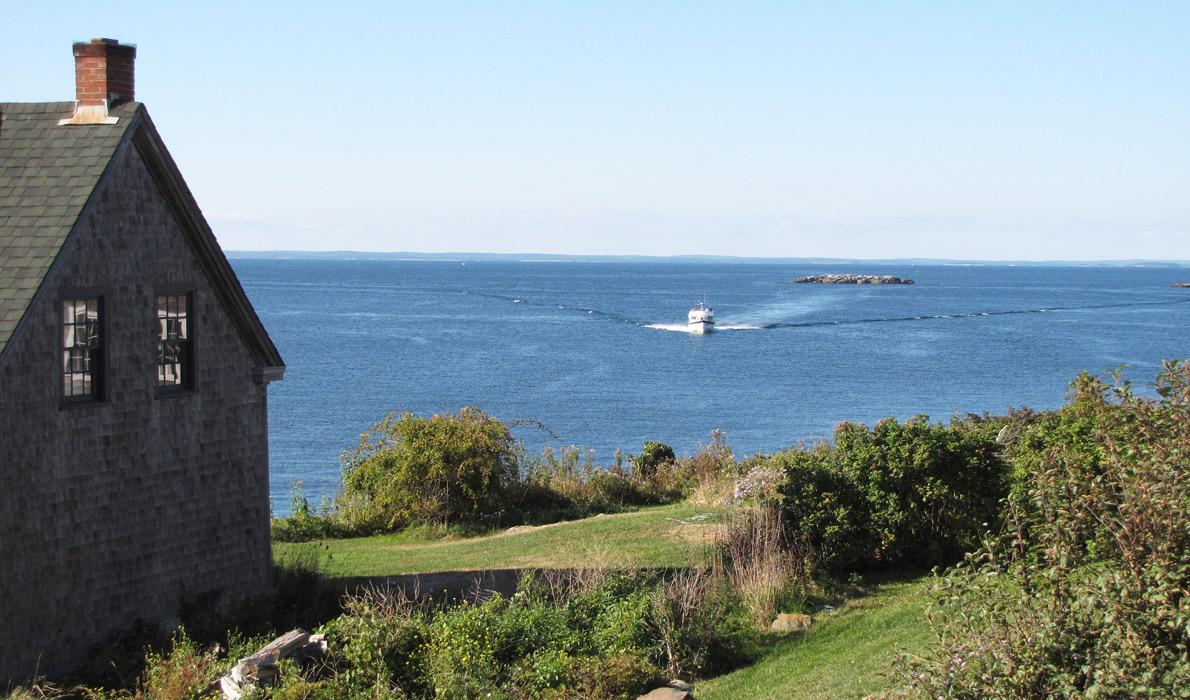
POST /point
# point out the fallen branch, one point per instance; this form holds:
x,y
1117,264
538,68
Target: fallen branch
x,y
261,667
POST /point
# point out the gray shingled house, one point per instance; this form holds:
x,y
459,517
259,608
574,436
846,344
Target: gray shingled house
x,y
133,381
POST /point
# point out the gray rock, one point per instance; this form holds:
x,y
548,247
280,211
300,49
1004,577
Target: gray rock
x,y
851,279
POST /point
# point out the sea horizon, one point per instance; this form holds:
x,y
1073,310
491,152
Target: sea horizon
x,y
468,256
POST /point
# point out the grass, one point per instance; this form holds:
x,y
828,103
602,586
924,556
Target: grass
x,y
659,536
848,653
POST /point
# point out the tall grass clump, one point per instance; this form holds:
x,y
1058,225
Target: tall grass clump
x,y
1085,592
754,555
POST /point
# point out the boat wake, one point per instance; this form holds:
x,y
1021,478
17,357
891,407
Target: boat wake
x,y
972,314
685,328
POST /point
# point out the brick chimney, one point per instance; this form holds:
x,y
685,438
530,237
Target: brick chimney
x,y
103,77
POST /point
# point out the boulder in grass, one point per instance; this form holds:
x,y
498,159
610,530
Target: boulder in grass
x,y
666,693
787,623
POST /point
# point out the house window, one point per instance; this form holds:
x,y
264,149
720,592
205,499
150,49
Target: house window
x,y
82,349
175,366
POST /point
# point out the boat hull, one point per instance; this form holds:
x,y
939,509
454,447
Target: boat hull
x,y
700,327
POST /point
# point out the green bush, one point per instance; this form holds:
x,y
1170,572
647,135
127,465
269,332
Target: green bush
x,y
304,525
897,494
378,643
584,637
651,456
1085,591
461,473
443,469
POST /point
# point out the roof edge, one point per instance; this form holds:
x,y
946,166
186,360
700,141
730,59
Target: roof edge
x,y
202,241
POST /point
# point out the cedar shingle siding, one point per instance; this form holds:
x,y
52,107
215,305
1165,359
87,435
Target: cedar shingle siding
x,y
120,510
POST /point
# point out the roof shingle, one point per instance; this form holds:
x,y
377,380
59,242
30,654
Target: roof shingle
x,y
47,174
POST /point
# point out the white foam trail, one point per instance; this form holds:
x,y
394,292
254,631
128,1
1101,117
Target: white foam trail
x,y
683,328
679,327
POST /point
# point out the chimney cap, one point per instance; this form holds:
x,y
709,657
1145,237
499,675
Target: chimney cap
x,y
100,46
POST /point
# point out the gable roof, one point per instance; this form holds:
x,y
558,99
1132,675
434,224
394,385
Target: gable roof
x,y
48,174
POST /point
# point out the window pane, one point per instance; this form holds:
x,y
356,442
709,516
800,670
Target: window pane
x,y
173,344
82,347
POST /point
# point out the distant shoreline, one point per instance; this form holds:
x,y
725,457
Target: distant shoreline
x,y
677,259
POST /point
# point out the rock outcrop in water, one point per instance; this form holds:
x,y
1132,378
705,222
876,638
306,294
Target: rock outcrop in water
x,y
851,279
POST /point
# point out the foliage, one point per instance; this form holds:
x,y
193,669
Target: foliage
x,y
700,622
377,642
568,484
461,474
182,673
442,469
651,456
1085,591
768,572
759,484
588,637
897,494
304,525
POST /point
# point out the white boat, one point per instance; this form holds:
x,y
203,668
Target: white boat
x,y
701,319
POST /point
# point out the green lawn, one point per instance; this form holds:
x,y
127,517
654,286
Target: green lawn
x,y
848,653
660,536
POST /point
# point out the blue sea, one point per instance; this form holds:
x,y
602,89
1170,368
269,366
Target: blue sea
x,y
596,350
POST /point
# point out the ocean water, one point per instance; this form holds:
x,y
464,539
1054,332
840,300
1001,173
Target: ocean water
x,y
596,352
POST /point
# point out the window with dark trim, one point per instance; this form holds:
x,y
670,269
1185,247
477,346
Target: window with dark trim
x,y
175,365
82,348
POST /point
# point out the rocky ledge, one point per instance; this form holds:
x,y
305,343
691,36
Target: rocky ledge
x,y
851,279
1181,285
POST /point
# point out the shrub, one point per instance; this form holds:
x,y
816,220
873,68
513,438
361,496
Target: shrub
x,y
621,675
759,485
700,623
652,455
911,493
304,525
824,511
568,484
377,641
1084,593
462,473
182,673
712,461
443,469
931,490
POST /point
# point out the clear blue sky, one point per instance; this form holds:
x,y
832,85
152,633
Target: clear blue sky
x,y
1005,130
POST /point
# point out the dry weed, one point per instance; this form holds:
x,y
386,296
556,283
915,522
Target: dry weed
x,y
755,557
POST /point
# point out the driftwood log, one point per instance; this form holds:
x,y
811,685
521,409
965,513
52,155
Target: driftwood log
x,y
261,667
